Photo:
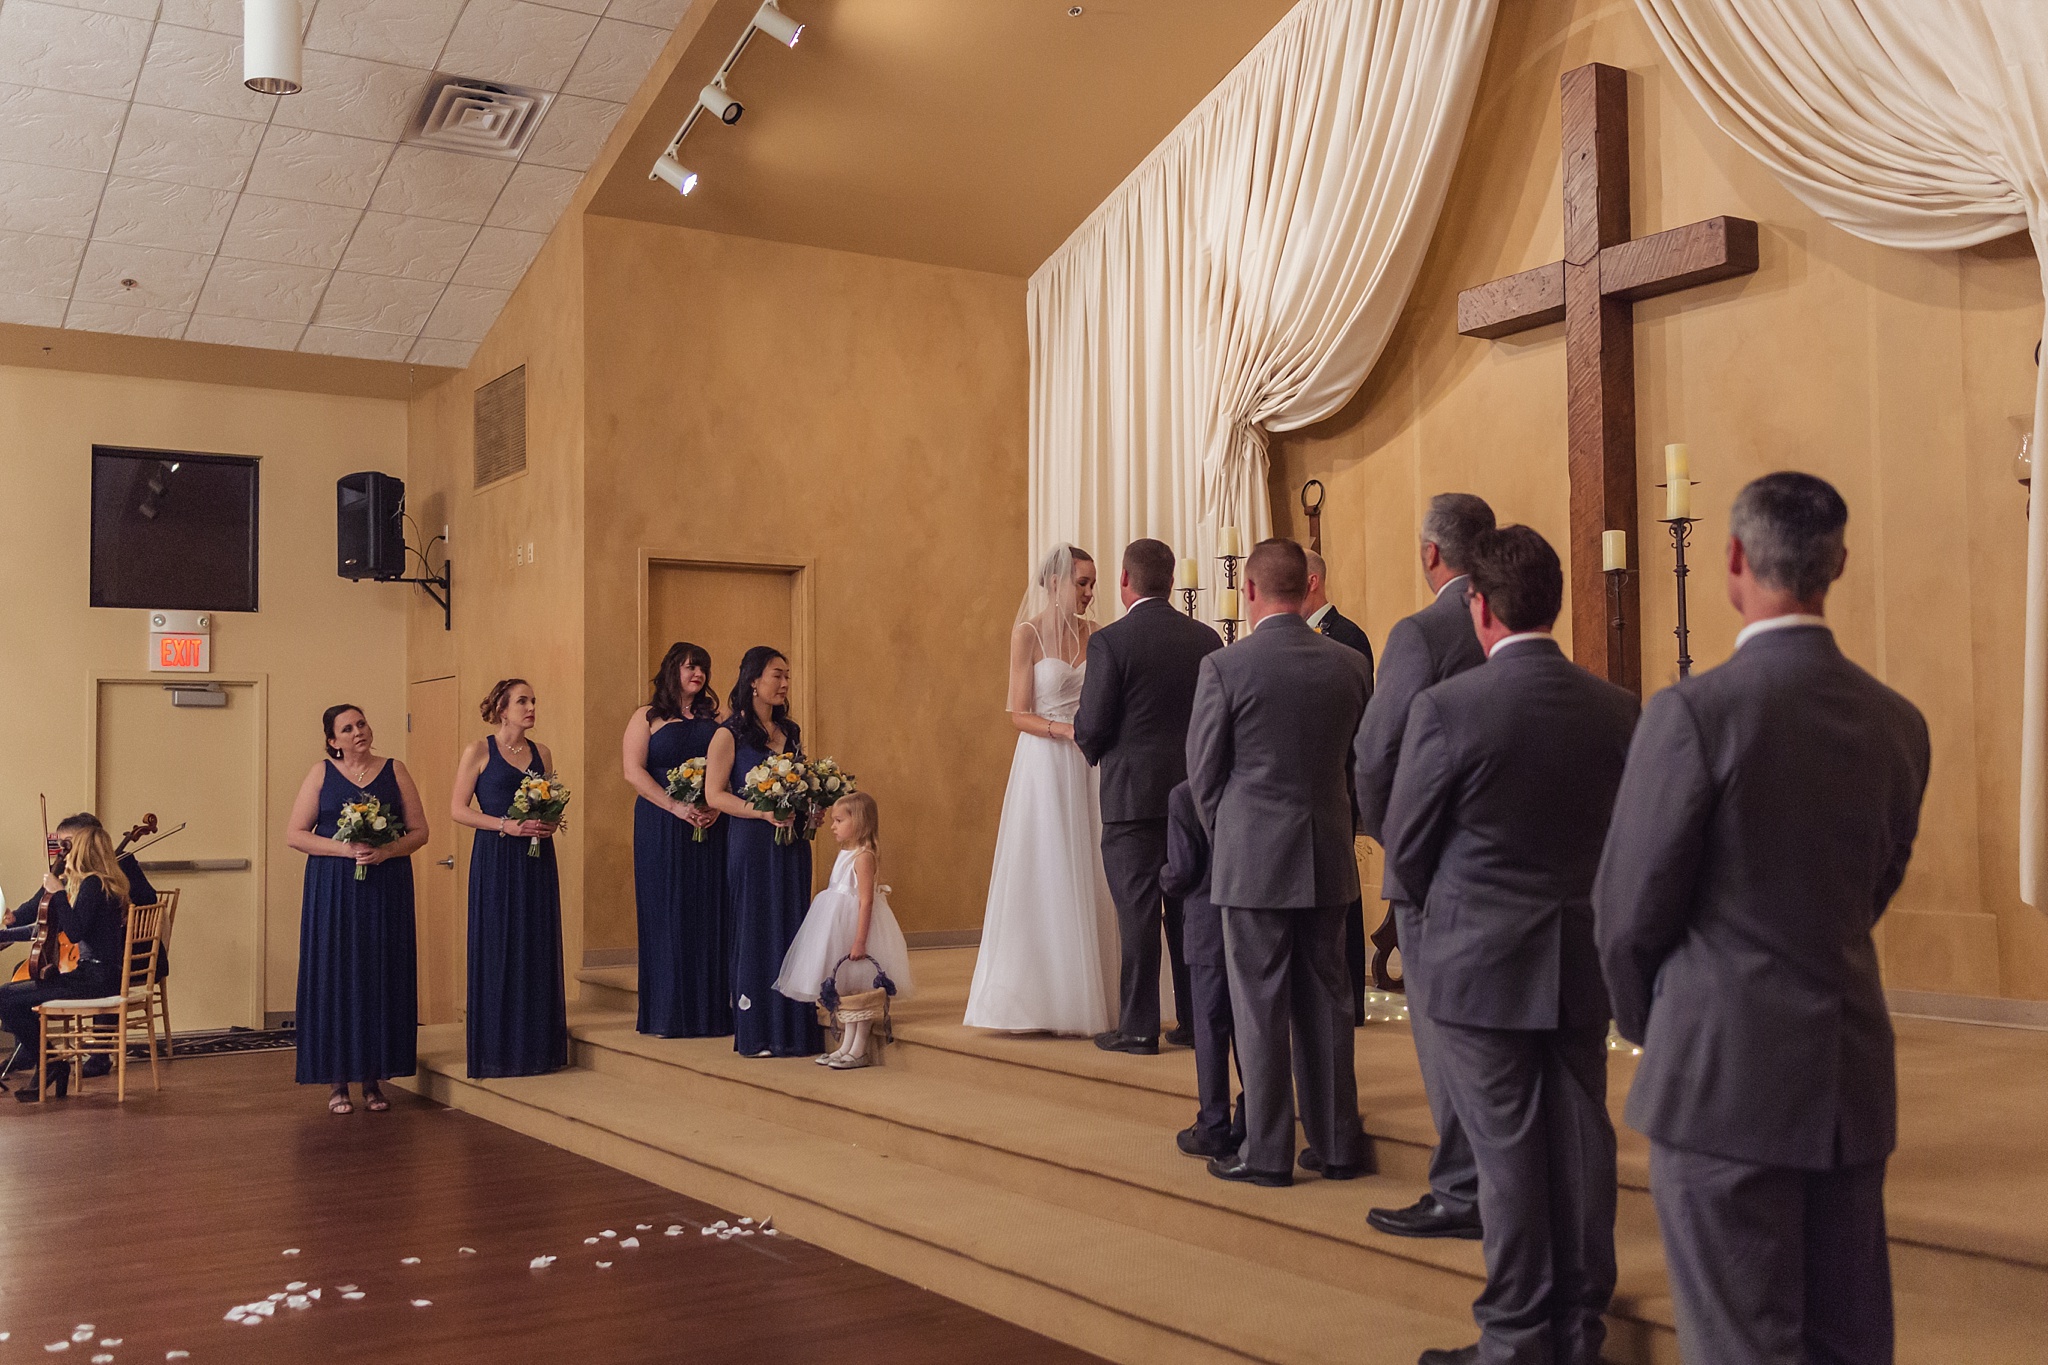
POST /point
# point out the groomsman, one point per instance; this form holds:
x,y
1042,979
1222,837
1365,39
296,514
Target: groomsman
x,y
1507,780
1422,650
1324,618
1133,725
1267,757
1766,818
1215,1132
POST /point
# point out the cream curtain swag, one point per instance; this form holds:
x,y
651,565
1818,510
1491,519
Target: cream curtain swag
x,y
1246,276
1913,123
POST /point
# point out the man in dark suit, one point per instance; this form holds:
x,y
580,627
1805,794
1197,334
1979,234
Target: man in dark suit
x,y
1133,725
1215,1132
1765,820
1268,760
1422,650
1506,782
1324,618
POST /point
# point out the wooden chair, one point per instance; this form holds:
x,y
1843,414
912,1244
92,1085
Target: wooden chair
x,y
159,988
76,1029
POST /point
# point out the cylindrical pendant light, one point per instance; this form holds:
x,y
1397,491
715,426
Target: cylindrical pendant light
x,y
270,46
777,25
679,177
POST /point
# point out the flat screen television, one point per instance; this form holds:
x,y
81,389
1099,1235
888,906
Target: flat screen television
x,y
173,530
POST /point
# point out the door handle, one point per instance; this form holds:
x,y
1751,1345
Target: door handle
x,y
448,861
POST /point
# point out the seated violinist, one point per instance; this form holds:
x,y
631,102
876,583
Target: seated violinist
x,y
89,905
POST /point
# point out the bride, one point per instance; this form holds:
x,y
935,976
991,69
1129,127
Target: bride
x,y
1048,956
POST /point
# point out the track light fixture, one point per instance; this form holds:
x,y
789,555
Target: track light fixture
x,y
714,100
675,173
777,25
270,46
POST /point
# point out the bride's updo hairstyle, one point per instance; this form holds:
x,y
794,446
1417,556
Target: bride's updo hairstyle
x,y
1058,565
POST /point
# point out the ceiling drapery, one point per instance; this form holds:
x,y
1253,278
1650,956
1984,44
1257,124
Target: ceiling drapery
x,y
1246,276
1913,123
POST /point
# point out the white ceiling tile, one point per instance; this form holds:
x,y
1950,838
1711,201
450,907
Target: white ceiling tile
x,y
581,6
159,213
298,163
535,198
37,263
71,49
263,290
134,9
663,14
410,32
167,280
109,317
48,199
34,310
453,354
432,184
510,40
291,231
187,148
353,96
572,132
345,341
615,61
275,336
499,257
220,16
57,128
379,303
418,248
193,69
465,313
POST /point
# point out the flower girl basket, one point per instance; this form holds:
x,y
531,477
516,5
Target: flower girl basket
x,y
838,1010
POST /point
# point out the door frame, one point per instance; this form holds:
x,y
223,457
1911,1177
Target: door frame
x,y
803,641
259,688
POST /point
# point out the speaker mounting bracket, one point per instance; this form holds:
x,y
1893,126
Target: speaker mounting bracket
x,y
441,586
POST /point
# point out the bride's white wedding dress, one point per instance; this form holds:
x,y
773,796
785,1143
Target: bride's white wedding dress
x,y
1048,938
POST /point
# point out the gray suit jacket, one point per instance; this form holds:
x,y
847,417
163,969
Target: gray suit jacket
x,y
1422,650
1507,780
1268,757
1765,820
1133,721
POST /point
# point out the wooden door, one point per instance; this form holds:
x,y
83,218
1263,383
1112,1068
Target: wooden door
x,y
440,905
726,609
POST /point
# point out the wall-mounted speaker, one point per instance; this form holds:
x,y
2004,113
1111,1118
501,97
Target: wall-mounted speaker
x,y
369,526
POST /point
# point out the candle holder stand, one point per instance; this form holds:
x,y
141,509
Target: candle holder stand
x,y
1230,582
1617,623
1681,534
1188,597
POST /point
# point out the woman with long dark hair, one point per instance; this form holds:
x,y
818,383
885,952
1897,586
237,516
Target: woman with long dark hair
x,y
518,1007
678,858
768,885
358,1009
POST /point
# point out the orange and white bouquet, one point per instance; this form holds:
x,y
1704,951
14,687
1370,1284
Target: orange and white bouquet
x,y
367,820
780,786
539,798
686,784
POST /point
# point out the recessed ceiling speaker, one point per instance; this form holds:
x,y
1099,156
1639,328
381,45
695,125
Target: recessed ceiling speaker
x,y
777,25
369,527
718,103
270,46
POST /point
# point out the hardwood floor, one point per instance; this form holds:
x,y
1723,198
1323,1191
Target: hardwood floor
x,y
150,1221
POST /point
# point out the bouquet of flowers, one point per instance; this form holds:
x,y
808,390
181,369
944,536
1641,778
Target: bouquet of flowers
x,y
780,786
686,784
366,820
829,782
539,798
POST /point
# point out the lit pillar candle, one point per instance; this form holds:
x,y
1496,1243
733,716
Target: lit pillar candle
x,y
1613,551
1229,542
1678,483
1226,607
1190,575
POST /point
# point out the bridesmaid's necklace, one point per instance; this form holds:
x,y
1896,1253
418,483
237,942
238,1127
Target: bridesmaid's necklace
x,y
361,773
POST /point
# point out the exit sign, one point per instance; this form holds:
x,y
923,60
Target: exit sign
x,y
181,653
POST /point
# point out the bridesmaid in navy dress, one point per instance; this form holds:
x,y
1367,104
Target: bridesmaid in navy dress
x,y
358,1008
767,884
518,1009
678,872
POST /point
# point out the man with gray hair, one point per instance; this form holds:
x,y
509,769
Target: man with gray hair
x,y
1764,821
1435,643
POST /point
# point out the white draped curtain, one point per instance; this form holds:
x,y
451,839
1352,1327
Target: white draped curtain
x,y
1246,276
1913,123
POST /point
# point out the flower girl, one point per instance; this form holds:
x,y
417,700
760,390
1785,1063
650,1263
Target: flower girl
x,y
849,919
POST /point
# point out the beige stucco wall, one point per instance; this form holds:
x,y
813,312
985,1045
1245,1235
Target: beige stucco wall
x,y
1905,378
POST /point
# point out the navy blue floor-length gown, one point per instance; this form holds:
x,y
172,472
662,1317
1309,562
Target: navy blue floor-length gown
x,y
679,885
518,1012
768,886
358,1008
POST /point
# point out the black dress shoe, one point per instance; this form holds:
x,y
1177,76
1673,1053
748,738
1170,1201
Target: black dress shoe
x,y
1114,1041
1311,1160
1195,1142
60,1082
1181,1036
1234,1168
1464,1355
1426,1218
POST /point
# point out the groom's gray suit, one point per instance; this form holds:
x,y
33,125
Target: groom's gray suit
x,y
1268,752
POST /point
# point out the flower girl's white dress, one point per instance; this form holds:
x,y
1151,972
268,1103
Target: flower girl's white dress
x,y
827,935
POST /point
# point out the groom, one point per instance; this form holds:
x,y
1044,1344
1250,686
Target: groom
x,y
1133,725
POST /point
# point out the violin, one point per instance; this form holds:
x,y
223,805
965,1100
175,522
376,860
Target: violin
x,y
51,952
141,831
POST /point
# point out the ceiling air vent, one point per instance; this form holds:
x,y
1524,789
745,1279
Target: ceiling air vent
x,y
483,118
501,428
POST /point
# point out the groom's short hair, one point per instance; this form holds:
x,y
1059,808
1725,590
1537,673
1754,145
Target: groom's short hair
x,y
1280,570
1148,564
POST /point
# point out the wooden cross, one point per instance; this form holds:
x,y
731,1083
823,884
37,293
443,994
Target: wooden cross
x,y
1593,291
